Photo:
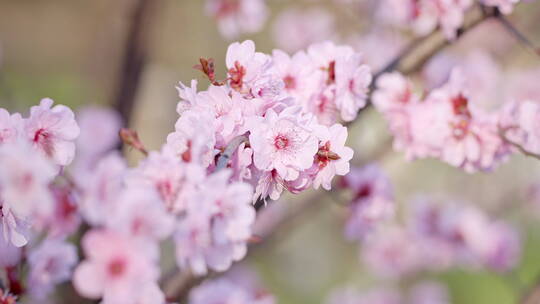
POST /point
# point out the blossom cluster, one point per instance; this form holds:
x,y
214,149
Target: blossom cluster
x,y
440,234
445,124
285,107
238,142
235,17
424,16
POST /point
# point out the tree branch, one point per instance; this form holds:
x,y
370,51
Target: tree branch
x,y
134,58
411,59
520,37
227,154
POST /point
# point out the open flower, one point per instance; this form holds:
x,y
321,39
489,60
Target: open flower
x,y
53,131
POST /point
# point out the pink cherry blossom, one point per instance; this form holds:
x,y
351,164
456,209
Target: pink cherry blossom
x,y
169,176
193,140
333,157
65,218
89,150
373,200
352,84
101,189
24,189
235,17
51,263
245,66
140,214
217,227
115,268
53,131
283,142
295,29
391,253
9,254
10,126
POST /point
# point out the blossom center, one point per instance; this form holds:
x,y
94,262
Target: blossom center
x,y
281,142
237,74
117,267
290,82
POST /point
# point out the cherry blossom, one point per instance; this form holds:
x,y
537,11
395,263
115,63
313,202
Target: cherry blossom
x,y
283,142
295,29
24,191
372,203
10,126
116,268
235,17
50,264
53,131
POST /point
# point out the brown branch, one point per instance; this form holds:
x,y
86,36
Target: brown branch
x,y
412,58
134,58
520,37
502,134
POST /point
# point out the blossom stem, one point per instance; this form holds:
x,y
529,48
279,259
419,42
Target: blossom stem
x,y
516,145
226,155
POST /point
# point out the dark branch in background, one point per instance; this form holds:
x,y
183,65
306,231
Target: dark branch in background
x,y
520,37
134,58
411,59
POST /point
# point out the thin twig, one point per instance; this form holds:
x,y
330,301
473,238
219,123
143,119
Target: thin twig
x,y
520,37
502,134
227,154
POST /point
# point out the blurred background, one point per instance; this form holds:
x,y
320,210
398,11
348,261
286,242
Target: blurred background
x,y
72,51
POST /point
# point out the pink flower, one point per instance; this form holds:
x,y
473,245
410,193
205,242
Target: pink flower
x,y
217,226
236,17
352,84
373,200
101,189
194,137
296,29
391,253
283,142
224,291
50,264
333,157
171,178
267,184
65,218
115,268
245,66
53,131
141,215
298,73
24,192
10,126
9,254
96,122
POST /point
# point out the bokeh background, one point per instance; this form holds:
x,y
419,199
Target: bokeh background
x,y
71,51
